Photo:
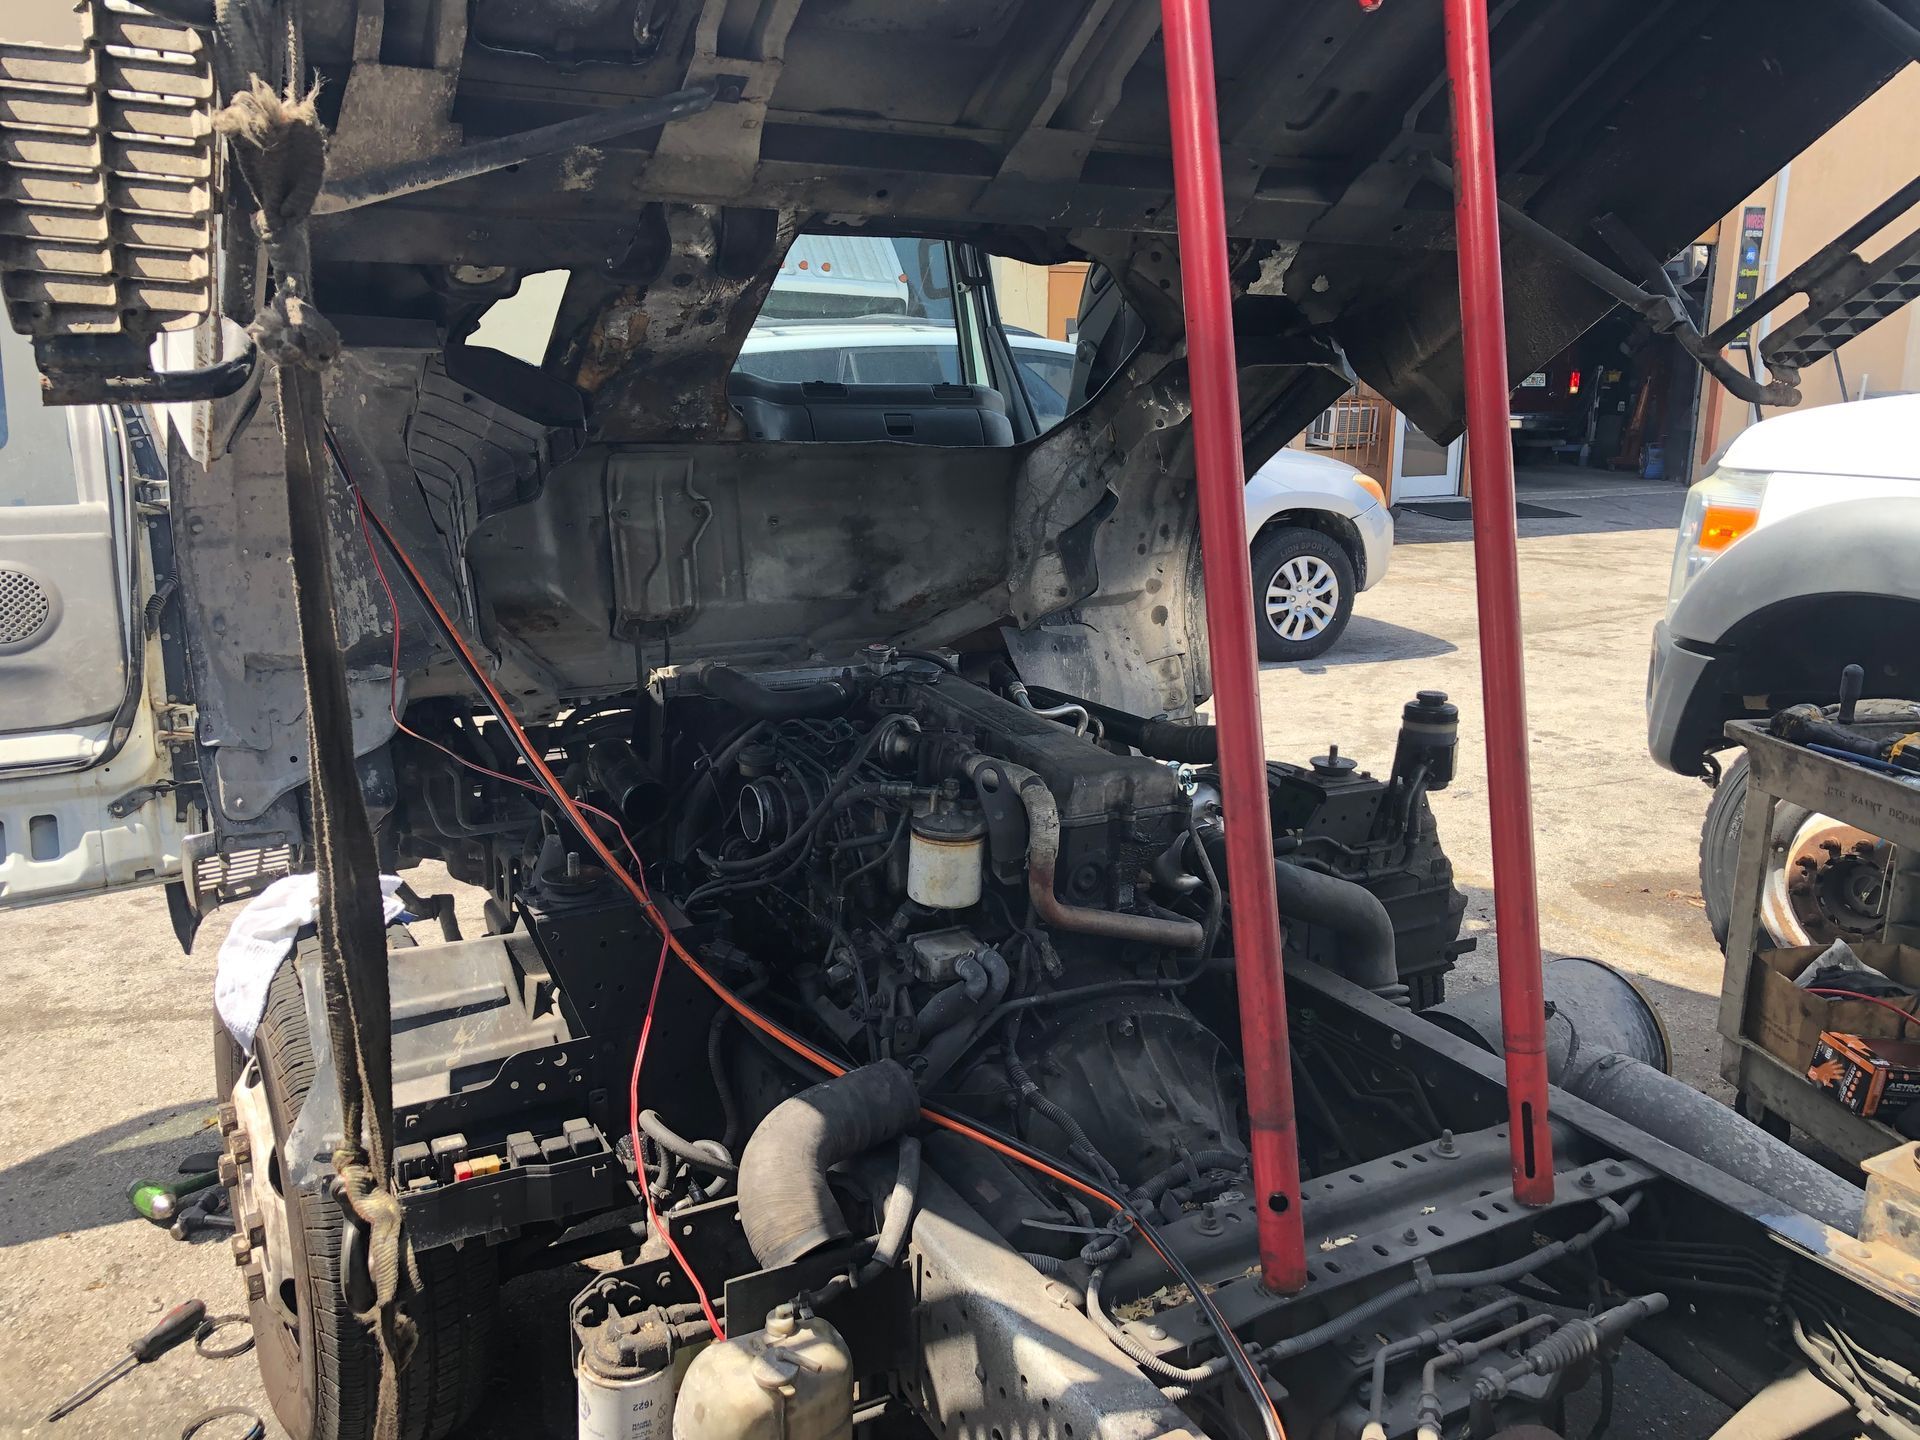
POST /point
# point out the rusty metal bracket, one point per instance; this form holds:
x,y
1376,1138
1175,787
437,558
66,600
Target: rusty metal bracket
x,y
137,797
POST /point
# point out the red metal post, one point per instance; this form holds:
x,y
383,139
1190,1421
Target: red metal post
x,y
1483,338
1221,477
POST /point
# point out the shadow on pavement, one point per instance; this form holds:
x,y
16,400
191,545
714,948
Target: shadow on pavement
x,y
82,1184
1368,642
1591,502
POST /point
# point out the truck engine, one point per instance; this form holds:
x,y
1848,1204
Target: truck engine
x,y
1005,909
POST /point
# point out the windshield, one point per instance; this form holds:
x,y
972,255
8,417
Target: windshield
x,y
36,461
858,310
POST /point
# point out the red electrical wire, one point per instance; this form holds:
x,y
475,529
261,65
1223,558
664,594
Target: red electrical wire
x,y
1908,1016
665,1232
670,944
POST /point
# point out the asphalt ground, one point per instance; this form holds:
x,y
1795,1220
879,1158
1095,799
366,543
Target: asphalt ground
x,y
105,1070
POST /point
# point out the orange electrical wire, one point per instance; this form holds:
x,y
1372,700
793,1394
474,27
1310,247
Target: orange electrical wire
x,y
665,1232
671,944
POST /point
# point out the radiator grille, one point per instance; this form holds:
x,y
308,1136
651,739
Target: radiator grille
x,y
24,607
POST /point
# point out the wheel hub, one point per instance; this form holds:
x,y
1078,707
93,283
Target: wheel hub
x,y
252,1172
1828,882
1302,597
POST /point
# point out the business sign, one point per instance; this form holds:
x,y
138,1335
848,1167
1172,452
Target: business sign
x,y
1746,275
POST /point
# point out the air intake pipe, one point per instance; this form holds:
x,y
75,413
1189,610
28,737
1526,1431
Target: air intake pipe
x,y
764,702
1605,1044
786,1207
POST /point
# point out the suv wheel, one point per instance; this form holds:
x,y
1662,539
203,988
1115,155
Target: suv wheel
x,y
1303,588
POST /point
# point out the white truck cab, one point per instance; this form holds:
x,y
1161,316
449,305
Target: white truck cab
x,y
90,798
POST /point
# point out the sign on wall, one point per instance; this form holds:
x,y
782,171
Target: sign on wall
x,y
1746,276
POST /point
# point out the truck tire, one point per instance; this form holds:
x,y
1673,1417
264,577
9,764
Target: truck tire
x,y
1315,571
1720,847
323,1376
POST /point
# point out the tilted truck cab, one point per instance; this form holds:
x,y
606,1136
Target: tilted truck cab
x,y
860,984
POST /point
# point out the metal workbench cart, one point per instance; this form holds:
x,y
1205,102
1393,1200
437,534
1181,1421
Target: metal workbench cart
x,y
1885,805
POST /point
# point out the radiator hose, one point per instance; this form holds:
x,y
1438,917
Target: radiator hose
x,y
786,1206
1354,913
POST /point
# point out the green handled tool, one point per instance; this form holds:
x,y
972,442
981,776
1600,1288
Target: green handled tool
x,y
158,1200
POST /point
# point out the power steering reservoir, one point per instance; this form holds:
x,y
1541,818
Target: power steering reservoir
x,y
791,1381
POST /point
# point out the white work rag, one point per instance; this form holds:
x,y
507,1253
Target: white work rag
x,y
261,938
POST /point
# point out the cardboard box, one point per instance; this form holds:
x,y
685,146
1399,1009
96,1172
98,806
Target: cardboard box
x,y
1867,1076
1787,1022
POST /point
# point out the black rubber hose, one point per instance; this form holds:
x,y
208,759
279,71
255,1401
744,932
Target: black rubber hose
x,y
1166,740
1351,911
786,1207
1354,913
708,1155
896,1214
946,1048
798,702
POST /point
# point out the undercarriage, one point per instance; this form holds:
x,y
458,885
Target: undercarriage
x,y
984,906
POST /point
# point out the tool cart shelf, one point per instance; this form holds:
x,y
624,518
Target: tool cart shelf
x,y
1880,804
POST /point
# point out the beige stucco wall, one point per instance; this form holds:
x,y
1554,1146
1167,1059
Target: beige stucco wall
x,y
1021,291
1839,178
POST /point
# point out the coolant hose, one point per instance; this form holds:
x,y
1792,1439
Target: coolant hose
x,y
1170,740
1354,913
798,702
786,1207
896,1214
1191,744
1351,911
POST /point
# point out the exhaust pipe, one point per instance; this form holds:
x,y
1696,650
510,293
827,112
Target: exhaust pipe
x,y
1605,1044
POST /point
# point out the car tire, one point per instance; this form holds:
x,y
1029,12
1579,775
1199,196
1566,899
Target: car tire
x,y
323,1376
1297,566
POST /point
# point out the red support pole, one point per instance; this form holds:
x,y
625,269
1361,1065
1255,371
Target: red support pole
x,y
1221,476
1496,561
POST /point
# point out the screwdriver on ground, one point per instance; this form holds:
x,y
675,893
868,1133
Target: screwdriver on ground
x,y
176,1325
